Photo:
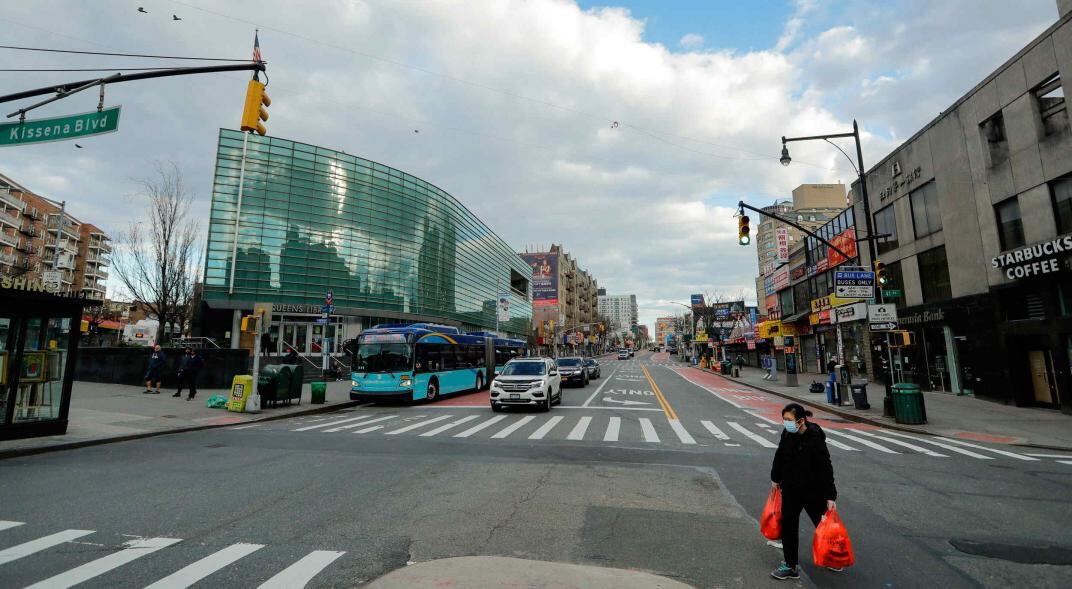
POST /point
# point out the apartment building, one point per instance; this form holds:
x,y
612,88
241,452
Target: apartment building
x,y
562,292
621,310
40,240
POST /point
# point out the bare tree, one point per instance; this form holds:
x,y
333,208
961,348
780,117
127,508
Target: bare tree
x,y
159,259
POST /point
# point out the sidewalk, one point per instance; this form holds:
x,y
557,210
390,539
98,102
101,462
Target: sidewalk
x,y
948,415
102,413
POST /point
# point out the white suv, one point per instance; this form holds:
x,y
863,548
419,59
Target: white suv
x,y
527,382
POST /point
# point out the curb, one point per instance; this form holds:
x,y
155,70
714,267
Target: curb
x,y
857,418
16,453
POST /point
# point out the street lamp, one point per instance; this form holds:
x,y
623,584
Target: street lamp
x,y
785,159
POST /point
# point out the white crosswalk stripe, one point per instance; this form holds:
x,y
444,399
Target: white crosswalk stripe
x,y
901,443
546,428
444,428
682,433
4,525
301,572
359,424
614,426
577,433
328,424
838,444
417,425
994,450
480,426
369,429
513,427
719,434
949,447
28,548
752,436
193,573
649,430
861,441
134,550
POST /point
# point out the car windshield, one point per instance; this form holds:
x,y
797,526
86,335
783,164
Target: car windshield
x,y
589,362
569,362
524,369
383,358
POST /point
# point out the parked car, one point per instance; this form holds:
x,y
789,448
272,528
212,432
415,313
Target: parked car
x,y
527,382
632,352
623,354
593,368
572,369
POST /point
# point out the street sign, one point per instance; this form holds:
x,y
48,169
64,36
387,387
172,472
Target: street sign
x,y
327,309
892,293
854,284
60,128
322,320
50,279
882,317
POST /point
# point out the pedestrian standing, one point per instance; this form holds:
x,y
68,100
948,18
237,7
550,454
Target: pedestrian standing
x,y
803,471
266,344
291,357
152,372
189,370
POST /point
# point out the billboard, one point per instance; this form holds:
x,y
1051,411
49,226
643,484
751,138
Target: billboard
x,y
846,242
728,310
544,278
697,301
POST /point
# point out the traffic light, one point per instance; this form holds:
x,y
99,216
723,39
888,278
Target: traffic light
x,y
249,323
255,109
742,230
880,273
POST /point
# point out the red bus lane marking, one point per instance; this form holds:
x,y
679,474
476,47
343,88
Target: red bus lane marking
x,y
472,399
764,405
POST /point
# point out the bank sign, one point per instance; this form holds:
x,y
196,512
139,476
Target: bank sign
x,y
1033,260
60,128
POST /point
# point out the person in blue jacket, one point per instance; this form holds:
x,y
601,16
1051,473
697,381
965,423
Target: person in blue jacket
x,y
153,371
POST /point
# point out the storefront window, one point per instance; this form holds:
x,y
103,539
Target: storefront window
x,y
1062,204
41,373
926,215
1010,224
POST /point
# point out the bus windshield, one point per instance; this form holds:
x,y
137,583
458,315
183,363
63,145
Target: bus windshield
x,y
383,358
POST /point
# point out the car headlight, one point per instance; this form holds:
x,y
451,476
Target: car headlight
x,y
496,384
355,384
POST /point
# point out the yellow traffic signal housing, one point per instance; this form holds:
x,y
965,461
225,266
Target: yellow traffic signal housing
x,y
255,109
743,237
902,338
249,323
880,273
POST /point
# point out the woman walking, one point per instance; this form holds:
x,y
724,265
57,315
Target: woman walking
x,y
803,470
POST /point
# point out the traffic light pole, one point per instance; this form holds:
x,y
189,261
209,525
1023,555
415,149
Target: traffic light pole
x,y
742,205
238,211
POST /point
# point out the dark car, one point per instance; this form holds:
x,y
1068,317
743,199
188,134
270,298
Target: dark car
x,y
593,368
572,369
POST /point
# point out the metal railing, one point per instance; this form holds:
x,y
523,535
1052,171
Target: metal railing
x,y
12,220
5,196
197,342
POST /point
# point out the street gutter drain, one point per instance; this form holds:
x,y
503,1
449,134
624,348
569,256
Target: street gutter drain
x,y
217,445
1021,553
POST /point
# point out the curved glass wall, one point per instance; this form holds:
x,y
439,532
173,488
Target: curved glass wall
x,y
314,220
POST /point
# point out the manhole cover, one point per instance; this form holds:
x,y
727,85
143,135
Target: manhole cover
x,y
216,446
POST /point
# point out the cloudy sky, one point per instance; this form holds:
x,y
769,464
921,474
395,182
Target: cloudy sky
x,y
516,103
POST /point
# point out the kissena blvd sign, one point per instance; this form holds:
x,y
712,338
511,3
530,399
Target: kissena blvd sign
x,y
1033,260
60,128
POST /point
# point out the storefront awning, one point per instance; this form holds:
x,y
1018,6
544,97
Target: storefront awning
x,y
796,317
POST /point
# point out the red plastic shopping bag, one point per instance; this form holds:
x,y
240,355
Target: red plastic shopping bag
x,y
831,546
771,524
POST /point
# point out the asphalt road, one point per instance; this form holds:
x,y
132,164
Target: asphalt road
x,y
653,467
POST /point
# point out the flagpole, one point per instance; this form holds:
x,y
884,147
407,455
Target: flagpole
x,y
242,183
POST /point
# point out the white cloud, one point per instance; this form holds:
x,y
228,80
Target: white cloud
x,y
691,41
515,102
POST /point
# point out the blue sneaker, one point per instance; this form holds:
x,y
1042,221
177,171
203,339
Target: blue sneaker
x,y
784,572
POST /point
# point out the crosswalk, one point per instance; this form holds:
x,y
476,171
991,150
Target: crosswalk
x,y
294,575
730,433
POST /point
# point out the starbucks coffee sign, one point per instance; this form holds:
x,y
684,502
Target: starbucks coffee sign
x,y
1034,260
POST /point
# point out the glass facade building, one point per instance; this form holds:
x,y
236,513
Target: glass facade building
x,y
389,246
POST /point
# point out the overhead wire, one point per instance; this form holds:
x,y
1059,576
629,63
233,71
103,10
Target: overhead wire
x,y
115,54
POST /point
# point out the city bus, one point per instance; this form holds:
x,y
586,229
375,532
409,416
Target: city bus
x,y
421,361
506,349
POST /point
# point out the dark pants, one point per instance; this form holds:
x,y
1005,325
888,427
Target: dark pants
x,y
188,379
792,505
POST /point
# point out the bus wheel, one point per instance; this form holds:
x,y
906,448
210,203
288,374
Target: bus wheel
x,y
433,391
479,382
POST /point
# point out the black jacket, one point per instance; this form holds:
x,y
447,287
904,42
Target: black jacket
x,y
191,364
802,464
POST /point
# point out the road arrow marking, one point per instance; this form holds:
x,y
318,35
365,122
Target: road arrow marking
x,y
609,400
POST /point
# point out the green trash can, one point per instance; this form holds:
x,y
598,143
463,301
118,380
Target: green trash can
x,y
319,391
268,382
908,407
727,367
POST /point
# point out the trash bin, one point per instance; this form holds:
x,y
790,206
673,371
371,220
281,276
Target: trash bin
x,y
268,381
318,391
859,395
908,404
727,367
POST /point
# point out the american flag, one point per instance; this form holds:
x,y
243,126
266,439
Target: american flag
x,y
256,48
